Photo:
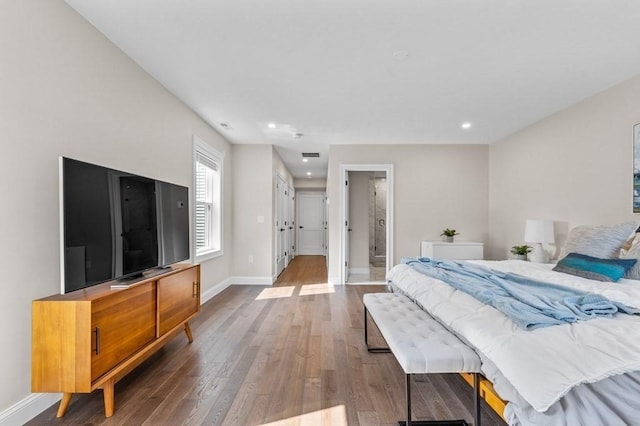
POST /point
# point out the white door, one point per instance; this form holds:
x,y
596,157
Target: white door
x,y
287,223
281,188
310,223
291,246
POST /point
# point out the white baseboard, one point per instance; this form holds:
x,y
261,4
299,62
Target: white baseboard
x,y
334,280
358,271
26,409
251,280
218,288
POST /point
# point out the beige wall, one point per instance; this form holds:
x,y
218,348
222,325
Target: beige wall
x,y
67,91
306,184
435,186
253,189
574,167
359,220
255,171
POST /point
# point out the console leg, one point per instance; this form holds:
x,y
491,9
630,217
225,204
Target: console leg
x,y
187,330
64,404
109,403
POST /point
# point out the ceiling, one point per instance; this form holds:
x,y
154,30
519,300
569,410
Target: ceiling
x,y
373,71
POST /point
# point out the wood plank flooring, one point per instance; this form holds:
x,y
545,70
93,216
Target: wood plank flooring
x,y
292,354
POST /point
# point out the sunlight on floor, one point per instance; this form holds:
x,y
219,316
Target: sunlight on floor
x,y
334,416
311,289
276,292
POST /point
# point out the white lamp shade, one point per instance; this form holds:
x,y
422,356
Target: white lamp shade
x,y
539,231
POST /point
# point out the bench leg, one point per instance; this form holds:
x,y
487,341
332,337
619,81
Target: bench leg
x,y
476,399
366,336
408,392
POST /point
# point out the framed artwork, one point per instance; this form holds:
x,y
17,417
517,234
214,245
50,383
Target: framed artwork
x,y
636,168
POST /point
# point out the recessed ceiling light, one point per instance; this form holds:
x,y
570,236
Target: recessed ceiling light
x,y
466,125
271,125
304,160
308,173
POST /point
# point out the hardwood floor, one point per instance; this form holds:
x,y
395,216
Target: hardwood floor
x,y
292,354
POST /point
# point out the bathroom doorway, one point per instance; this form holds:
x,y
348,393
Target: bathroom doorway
x,y
367,212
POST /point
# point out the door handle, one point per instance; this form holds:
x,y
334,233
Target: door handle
x,y
97,332
301,226
349,229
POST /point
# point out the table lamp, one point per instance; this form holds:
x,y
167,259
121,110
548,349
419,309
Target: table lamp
x,y
539,232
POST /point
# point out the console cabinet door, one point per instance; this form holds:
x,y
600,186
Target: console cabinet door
x,y
178,299
121,324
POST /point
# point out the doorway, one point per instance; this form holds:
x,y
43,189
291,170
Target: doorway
x,y
367,212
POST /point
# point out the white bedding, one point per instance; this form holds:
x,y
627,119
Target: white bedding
x,y
544,364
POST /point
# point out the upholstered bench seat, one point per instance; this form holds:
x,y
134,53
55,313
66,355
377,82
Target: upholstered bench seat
x,y
420,344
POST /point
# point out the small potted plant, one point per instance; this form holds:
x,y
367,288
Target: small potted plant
x,y
520,252
449,234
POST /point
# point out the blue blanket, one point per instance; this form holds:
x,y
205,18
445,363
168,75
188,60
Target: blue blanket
x,y
529,303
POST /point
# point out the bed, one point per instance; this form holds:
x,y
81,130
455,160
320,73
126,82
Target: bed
x,y
585,372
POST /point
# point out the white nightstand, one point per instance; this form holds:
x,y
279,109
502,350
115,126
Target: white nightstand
x,y
463,250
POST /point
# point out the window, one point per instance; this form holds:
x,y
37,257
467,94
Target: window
x,y
207,177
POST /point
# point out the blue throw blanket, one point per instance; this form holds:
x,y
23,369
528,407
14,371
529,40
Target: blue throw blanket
x,y
529,303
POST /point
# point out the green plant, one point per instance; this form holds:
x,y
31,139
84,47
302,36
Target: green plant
x,y
449,232
521,250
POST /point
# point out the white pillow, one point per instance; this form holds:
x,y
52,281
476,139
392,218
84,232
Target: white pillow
x,y
602,241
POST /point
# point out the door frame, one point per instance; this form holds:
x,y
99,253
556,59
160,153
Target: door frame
x,y
344,170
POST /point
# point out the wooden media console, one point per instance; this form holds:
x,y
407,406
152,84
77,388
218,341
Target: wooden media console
x,y
91,338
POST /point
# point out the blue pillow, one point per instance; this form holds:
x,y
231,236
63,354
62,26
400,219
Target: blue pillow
x,y
594,268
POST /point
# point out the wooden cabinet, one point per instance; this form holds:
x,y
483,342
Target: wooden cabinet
x,y
91,338
177,298
121,325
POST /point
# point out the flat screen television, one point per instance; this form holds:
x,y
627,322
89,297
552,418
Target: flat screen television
x,y
117,225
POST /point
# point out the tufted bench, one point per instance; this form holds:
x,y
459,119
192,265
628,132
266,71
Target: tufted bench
x,y
420,343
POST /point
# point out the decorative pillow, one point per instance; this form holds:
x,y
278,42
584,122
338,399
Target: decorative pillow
x,y
593,268
603,241
632,251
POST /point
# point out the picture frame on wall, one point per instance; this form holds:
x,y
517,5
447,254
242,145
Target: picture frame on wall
x,y
636,168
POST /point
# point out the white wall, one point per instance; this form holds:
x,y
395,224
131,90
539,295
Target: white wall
x,y
359,220
436,186
574,167
255,171
253,189
67,91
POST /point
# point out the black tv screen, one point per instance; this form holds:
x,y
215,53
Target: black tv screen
x,y
117,225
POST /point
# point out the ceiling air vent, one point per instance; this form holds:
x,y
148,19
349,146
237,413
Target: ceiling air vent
x,y
310,155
